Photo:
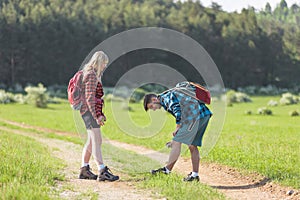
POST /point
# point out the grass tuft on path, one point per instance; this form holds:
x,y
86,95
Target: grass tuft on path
x,y
174,188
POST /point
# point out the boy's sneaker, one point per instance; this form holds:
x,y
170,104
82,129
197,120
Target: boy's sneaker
x,y
85,173
106,174
191,178
160,170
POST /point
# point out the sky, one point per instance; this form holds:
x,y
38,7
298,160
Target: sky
x,y
238,5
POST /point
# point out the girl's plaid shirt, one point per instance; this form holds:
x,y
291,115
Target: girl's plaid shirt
x,y
93,92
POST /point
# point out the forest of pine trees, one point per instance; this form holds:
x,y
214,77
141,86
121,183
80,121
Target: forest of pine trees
x,y
47,40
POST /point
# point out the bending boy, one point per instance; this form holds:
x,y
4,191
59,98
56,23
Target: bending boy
x,y
192,117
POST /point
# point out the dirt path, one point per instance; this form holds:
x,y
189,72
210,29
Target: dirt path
x,y
74,188
226,180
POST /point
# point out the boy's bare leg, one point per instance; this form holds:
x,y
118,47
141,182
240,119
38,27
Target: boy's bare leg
x,y
195,157
174,154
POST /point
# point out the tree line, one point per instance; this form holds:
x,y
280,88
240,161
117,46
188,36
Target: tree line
x,y
47,40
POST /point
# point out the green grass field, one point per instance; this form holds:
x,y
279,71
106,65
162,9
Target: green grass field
x,y
27,170
118,158
34,177
269,145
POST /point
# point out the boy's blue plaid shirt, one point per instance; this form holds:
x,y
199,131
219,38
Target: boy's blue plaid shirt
x,y
183,107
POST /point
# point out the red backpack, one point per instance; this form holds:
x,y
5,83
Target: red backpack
x,y
194,90
75,91
202,93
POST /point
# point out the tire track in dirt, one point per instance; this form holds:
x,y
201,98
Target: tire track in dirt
x,y
225,179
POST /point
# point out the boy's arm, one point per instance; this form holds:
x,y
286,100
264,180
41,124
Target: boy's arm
x,y
171,103
174,107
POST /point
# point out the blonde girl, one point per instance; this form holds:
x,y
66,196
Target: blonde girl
x,y
94,118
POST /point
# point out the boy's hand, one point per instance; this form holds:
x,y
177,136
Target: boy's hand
x,y
176,130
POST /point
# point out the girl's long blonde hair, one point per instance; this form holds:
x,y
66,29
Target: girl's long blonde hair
x,y
95,63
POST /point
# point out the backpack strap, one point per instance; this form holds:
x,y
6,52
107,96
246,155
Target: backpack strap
x,y
191,89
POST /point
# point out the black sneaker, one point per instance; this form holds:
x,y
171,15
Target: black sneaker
x,y
191,178
85,173
106,174
160,170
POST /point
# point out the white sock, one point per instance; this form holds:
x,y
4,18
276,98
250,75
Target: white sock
x,y
167,170
85,164
101,167
194,174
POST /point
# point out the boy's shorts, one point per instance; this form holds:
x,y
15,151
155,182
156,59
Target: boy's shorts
x,y
192,133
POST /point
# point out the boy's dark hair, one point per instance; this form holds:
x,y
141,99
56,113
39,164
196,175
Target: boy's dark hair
x,y
147,99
